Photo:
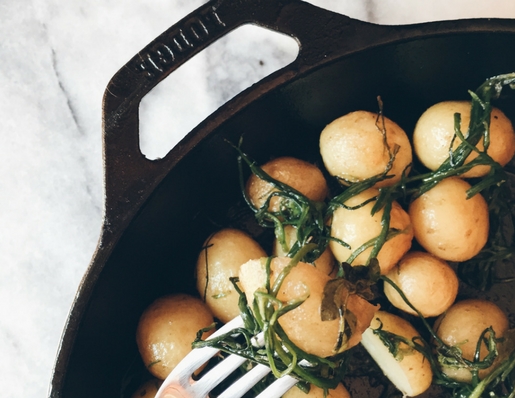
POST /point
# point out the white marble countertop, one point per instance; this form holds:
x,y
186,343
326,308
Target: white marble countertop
x,y
56,60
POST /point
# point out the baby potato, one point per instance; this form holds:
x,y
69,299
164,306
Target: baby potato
x,y
326,261
316,392
462,326
434,132
304,324
166,330
449,225
410,372
148,389
428,283
220,259
357,226
298,174
353,148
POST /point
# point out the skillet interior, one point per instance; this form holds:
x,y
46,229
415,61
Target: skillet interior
x,y
157,252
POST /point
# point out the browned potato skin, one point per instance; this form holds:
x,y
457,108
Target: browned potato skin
x,y
435,129
449,225
148,389
356,227
429,284
316,392
325,263
304,323
414,365
298,174
353,149
166,330
462,326
226,250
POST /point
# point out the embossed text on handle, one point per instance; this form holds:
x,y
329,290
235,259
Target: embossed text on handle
x,y
177,43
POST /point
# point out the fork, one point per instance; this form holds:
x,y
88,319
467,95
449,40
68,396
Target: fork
x,y
179,384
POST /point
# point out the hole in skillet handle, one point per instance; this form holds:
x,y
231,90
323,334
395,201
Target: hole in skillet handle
x,y
207,81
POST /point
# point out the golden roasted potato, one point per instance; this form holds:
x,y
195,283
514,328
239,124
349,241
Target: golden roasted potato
x,y
449,225
462,326
434,132
357,226
410,371
304,323
166,330
298,174
429,284
353,148
219,260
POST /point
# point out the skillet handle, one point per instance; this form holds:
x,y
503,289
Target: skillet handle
x,y
129,176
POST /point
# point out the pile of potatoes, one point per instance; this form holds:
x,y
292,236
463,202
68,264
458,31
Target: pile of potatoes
x,y
445,224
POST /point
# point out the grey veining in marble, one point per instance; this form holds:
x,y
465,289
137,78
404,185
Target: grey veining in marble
x,y
56,58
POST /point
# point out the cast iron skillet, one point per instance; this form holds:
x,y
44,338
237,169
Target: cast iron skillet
x,y
158,213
